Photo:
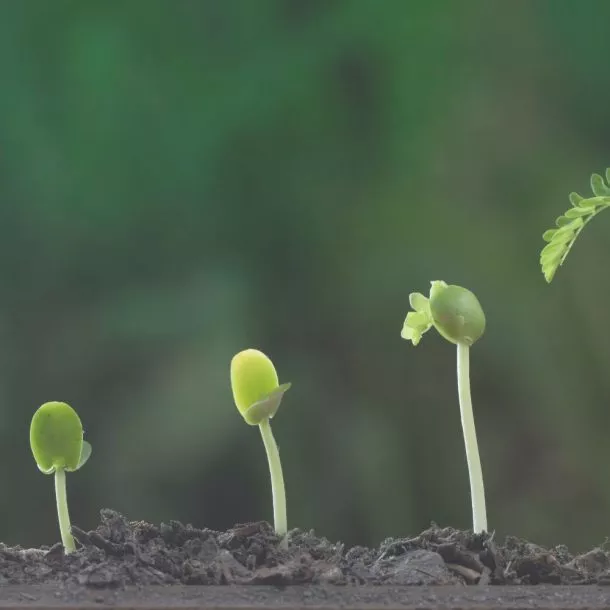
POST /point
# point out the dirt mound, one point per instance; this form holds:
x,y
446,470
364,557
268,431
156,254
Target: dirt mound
x,y
121,552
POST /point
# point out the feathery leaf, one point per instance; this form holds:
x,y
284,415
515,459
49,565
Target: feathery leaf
x,y
569,225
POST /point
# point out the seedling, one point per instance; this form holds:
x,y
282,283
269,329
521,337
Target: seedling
x,y
458,316
258,395
570,224
56,439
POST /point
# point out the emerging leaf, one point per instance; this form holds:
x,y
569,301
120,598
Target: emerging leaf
x,y
454,311
416,324
418,321
267,407
419,302
85,454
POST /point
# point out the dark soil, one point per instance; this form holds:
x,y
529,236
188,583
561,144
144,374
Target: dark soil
x,y
121,553
307,597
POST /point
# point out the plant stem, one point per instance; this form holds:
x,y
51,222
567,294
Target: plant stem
x,y
277,479
62,510
477,491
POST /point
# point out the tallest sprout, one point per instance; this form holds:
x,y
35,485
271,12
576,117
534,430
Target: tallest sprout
x,y
258,394
458,316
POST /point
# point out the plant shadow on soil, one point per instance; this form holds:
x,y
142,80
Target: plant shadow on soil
x,y
120,553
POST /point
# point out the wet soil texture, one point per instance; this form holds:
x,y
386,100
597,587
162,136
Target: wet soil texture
x,y
120,553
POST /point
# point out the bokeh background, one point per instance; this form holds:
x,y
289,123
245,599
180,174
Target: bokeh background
x,y
181,179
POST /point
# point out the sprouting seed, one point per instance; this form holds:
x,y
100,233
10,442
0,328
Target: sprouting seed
x,y
258,394
457,315
56,439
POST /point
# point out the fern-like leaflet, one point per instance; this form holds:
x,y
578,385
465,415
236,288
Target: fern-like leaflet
x,y
570,224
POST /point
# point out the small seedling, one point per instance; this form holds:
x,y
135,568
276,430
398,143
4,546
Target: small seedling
x,y
570,224
258,395
458,316
56,439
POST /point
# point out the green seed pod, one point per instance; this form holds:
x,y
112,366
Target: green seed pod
x,y
56,437
253,377
255,386
457,313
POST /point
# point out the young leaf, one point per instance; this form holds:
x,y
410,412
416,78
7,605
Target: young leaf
x,y
418,301
577,212
571,223
416,324
575,199
85,454
267,407
548,235
599,188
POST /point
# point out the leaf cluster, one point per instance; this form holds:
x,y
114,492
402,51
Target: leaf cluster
x,y
570,224
418,321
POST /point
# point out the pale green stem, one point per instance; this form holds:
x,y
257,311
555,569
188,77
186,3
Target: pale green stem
x,y
62,510
477,491
277,479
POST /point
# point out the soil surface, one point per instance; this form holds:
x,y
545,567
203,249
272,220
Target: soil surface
x,y
120,553
307,597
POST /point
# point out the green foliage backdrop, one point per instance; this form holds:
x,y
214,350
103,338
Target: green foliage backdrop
x,y
181,179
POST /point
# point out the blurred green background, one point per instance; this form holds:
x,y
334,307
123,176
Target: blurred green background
x,y
181,179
